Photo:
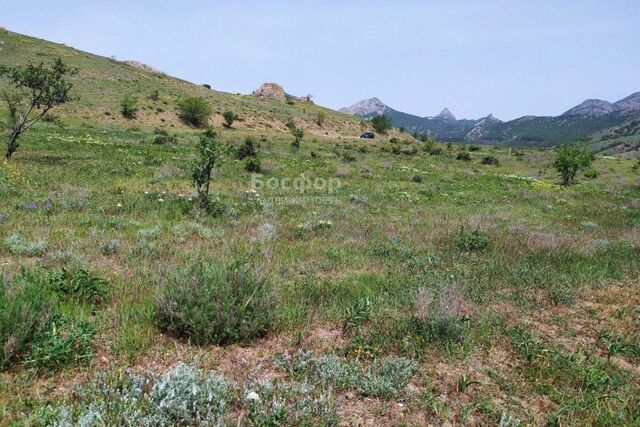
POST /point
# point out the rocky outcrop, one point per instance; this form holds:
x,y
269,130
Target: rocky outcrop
x,y
142,66
270,91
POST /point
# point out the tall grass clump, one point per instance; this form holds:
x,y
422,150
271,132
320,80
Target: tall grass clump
x,y
441,316
25,312
209,302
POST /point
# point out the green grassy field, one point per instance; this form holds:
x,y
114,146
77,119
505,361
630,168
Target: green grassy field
x,y
350,282
540,325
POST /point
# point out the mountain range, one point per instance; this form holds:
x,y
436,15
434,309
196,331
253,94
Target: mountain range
x,y
597,119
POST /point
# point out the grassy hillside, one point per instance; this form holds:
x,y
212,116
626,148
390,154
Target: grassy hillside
x,y
102,83
350,282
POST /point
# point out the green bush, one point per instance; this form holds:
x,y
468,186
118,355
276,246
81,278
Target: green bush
x,y
79,285
213,303
165,139
63,342
247,149
464,156
570,159
229,117
129,107
194,111
490,160
473,241
381,124
253,165
591,173
25,312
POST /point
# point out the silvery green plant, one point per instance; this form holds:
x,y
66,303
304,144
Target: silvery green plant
x,y
19,245
291,404
185,396
384,378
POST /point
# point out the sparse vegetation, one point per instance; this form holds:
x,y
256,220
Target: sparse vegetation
x,y
360,300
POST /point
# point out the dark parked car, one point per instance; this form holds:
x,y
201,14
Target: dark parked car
x,y
368,135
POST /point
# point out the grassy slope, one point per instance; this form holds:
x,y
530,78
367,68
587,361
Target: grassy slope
x,y
559,274
103,82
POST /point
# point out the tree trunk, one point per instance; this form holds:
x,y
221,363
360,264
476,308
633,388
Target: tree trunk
x,y
12,145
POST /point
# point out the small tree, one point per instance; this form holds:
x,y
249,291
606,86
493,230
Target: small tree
x,y
210,152
636,167
38,89
129,107
570,159
194,111
381,124
298,134
320,118
229,117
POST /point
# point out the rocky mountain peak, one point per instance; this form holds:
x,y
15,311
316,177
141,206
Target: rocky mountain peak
x,y
446,115
367,108
629,104
591,108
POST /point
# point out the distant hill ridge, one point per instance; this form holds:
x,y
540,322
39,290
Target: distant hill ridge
x,y
593,117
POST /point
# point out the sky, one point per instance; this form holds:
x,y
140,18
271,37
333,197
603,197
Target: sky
x,y
510,58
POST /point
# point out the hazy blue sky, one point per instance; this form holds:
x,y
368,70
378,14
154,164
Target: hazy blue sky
x,y
475,57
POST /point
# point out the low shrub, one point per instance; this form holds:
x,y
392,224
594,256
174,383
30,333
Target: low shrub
x,y
165,139
490,160
194,111
418,178
464,156
19,245
284,403
79,285
385,378
63,342
129,107
253,165
213,303
183,395
247,149
591,173
473,241
229,117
